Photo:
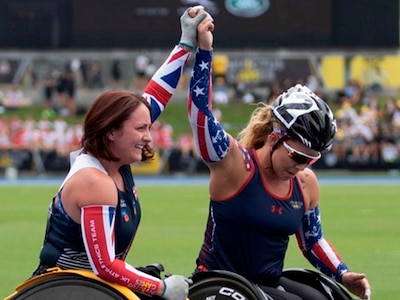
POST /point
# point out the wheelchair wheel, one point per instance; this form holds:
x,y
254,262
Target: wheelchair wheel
x,y
219,287
68,287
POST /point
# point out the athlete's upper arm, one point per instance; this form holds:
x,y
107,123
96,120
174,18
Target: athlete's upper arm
x,y
164,81
230,173
310,187
91,186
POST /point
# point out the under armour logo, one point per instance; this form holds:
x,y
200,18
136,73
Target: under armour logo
x,y
276,210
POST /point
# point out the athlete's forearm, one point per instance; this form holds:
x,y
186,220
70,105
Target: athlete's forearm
x,y
165,81
98,235
320,253
212,142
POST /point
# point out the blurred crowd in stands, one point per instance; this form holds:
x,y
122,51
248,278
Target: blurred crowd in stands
x,y
43,135
368,119
368,137
368,134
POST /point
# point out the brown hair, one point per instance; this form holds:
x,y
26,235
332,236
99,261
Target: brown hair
x,y
109,111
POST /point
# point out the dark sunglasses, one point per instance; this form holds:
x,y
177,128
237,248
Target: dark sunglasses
x,y
300,157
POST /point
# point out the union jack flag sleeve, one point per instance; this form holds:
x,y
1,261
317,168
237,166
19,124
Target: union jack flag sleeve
x,y
98,235
163,84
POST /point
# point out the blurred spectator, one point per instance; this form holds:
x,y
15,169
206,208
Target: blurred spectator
x,y
361,137
5,141
390,109
389,147
44,123
396,115
31,134
240,90
144,69
49,85
84,73
220,91
60,125
220,67
116,75
187,154
352,92
14,98
95,79
17,133
29,79
375,79
286,83
341,145
312,83
61,83
162,135
274,90
65,87
346,112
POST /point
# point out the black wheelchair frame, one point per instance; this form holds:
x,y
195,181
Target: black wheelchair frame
x,y
221,284
224,285
321,282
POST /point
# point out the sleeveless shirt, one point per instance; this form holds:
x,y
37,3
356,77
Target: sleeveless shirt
x,y
249,233
63,244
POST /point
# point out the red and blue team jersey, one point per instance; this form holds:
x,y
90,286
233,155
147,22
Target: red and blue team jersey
x,y
63,245
249,232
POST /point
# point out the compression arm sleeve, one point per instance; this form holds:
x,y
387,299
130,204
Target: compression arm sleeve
x,y
320,253
98,235
165,80
212,142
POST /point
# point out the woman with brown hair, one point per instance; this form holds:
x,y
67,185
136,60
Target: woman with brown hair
x,y
95,214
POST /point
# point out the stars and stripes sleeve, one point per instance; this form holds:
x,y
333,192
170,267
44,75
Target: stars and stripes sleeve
x,y
98,236
165,81
319,252
212,142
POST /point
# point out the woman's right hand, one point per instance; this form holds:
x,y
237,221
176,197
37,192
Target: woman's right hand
x,y
176,287
204,33
190,20
358,284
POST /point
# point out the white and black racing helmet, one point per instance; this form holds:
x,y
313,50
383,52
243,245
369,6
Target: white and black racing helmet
x,y
306,117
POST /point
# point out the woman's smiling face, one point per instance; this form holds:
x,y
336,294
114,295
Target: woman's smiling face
x,y
128,141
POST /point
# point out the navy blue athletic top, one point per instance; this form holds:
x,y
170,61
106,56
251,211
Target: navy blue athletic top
x,y
63,244
249,233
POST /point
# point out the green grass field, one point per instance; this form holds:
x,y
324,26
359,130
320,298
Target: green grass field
x,y
361,221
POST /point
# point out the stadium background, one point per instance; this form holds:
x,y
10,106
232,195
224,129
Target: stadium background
x,y
258,42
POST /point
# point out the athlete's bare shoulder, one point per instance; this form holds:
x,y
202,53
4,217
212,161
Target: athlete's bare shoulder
x,y
90,186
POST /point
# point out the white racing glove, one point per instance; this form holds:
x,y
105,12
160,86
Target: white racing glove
x,y
189,27
176,287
